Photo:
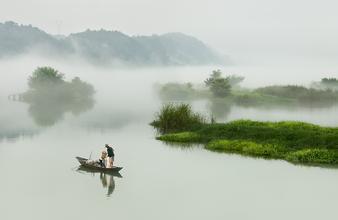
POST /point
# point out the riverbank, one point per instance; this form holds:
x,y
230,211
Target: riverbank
x,y
296,142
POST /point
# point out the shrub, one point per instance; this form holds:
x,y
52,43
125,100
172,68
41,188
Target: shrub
x,y
177,91
177,118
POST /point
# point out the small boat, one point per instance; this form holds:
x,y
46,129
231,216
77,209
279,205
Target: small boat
x,y
83,162
82,169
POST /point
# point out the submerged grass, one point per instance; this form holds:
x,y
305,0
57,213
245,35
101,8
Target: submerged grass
x,y
297,142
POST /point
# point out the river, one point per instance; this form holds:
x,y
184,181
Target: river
x,y
40,180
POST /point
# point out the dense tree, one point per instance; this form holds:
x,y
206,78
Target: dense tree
x,y
44,77
218,85
50,96
216,74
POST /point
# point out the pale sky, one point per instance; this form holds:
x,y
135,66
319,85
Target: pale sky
x,y
235,27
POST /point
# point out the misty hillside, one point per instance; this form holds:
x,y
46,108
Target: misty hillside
x,y
108,47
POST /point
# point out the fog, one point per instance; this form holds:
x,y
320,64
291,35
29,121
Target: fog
x,y
127,95
269,43
125,102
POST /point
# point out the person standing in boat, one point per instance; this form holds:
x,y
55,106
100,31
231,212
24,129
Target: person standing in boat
x,y
110,152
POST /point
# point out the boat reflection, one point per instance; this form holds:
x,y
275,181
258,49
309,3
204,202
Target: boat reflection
x,y
106,178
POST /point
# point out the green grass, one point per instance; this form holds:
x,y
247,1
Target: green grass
x,y
295,135
184,137
297,142
313,156
272,151
247,148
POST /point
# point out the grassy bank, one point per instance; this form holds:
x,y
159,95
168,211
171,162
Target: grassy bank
x,y
296,142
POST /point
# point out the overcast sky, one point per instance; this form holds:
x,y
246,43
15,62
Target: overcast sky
x,y
235,27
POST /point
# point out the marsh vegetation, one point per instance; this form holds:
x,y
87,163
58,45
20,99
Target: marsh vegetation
x,y
297,142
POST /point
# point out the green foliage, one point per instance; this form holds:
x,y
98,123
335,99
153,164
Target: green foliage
x,y
177,118
288,91
219,86
247,148
50,96
180,137
329,81
44,77
272,151
295,135
301,94
216,74
296,142
314,156
177,91
326,83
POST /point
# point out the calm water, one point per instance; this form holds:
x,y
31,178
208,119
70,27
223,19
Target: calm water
x,y
40,180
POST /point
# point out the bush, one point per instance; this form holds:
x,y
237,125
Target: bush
x,y
177,91
177,118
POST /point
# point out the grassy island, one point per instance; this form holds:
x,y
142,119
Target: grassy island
x,y
296,142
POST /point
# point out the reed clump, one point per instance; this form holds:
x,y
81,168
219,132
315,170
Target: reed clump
x,y
177,117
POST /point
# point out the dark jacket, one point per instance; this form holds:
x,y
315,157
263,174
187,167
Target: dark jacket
x,y
110,152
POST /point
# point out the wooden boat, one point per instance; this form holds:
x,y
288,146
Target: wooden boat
x,y
82,169
83,162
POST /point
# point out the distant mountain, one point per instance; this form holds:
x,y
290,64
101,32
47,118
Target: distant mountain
x,y
108,47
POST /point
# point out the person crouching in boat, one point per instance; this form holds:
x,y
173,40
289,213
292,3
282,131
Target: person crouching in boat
x,y
110,152
102,160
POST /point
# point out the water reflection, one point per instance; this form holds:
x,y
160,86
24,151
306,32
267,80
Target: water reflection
x,y
108,182
12,136
106,178
49,113
219,108
14,123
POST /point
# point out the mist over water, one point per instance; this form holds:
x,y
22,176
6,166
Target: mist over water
x,y
159,181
